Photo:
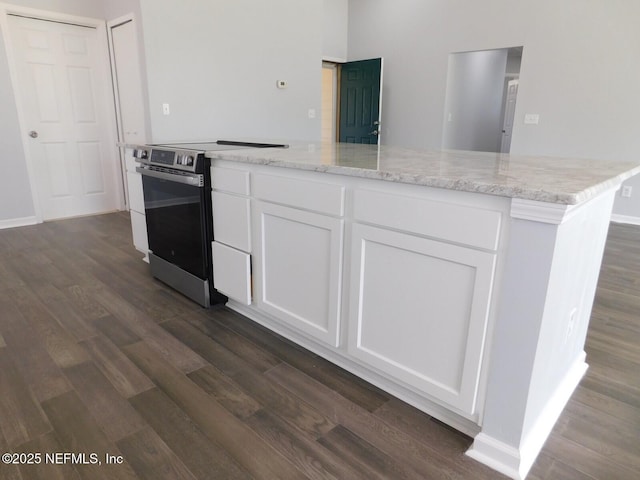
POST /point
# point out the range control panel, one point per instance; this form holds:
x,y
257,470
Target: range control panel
x,y
178,159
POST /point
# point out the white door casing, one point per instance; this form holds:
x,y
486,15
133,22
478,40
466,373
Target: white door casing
x,y
60,73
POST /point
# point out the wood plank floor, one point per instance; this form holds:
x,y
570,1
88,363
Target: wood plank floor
x,y
96,357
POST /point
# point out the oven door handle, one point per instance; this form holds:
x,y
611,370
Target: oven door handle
x,y
194,180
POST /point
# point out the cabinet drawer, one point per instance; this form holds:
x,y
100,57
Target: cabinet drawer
x,y
130,162
139,230
231,215
304,194
136,197
232,272
230,180
447,221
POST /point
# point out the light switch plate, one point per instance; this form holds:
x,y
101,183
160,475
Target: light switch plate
x,y
531,119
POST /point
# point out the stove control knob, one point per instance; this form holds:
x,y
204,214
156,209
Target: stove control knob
x,y
141,154
186,160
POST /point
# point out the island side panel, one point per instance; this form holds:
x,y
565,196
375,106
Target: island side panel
x,y
537,356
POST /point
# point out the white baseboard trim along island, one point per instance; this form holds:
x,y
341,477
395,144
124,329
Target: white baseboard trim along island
x,y
460,282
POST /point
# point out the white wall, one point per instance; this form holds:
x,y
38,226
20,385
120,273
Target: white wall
x,y
335,33
579,70
216,64
473,101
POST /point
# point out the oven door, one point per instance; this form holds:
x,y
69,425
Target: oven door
x,y
177,224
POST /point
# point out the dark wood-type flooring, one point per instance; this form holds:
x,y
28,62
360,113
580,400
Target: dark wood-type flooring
x,y
96,357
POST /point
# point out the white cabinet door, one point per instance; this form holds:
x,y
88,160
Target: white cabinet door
x,y
418,311
232,272
298,268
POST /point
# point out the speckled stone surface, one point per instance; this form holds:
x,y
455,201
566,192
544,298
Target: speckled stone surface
x,y
546,179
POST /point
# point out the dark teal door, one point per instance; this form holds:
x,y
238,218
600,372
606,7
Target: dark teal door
x,y
360,101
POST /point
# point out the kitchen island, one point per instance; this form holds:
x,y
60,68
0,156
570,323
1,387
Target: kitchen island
x,y
461,282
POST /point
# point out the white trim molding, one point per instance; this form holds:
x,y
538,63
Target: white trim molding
x,y
544,212
627,219
516,462
18,222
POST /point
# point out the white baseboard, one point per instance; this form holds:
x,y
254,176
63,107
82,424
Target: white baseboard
x,y
515,462
625,219
18,222
496,455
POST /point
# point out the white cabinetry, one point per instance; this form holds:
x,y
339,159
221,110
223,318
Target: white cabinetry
x,y
393,282
136,206
419,306
419,310
231,247
298,254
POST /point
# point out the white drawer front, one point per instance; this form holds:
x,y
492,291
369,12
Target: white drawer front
x,y
230,180
136,197
232,272
231,224
139,230
447,221
304,194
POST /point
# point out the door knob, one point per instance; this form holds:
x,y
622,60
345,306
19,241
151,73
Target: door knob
x,y
33,134
375,132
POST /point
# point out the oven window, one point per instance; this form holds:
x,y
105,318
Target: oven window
x,y
176,224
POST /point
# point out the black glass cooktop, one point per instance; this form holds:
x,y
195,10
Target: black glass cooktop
x,y
219,145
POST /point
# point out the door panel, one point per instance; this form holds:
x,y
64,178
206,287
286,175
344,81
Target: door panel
x,y
419,309
62,71
298,268
360,90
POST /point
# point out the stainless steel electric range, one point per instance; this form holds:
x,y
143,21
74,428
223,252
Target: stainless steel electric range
x,y
176,182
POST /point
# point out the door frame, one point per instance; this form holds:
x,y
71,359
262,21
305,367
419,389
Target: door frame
x,y
47,15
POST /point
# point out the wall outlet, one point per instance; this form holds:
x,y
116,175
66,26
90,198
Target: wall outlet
x,y
531,119
165,109
312,113
626,191
281,83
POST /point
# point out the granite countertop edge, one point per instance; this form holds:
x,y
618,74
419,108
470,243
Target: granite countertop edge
x,y
522,191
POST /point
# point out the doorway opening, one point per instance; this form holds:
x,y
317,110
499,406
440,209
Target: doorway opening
x,y
329,107
352,101
482,88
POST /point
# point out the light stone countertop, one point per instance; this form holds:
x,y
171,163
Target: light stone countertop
x,y
546,179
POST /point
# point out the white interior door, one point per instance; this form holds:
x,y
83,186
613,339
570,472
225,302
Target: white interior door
x,y
66,103
509,115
